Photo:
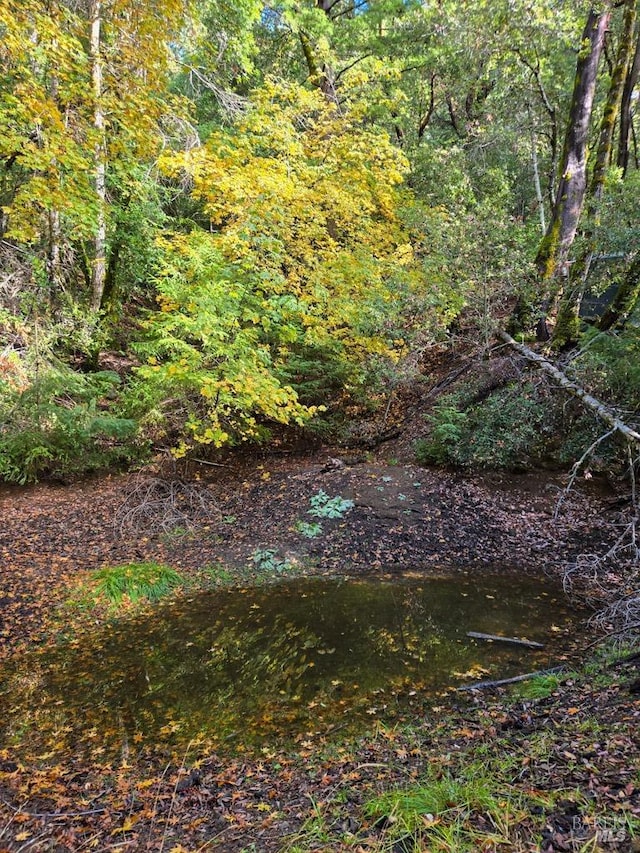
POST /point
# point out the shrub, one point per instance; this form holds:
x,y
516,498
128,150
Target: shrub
x,y
508,429
447,428
61,422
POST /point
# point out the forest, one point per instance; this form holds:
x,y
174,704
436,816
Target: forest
x,y
218,219
304,289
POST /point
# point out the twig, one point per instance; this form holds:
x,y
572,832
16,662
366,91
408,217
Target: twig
x,y
31,842
19,810
173,799
213,464
576,467
612,634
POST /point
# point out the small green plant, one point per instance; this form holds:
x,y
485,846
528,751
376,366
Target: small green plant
x,y
266,560
539,687
132,582
309,529
447,423
323,506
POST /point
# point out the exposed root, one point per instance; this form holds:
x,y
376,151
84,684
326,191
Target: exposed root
x,y
156,505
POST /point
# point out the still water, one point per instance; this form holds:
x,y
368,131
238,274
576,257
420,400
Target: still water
x,y
261,667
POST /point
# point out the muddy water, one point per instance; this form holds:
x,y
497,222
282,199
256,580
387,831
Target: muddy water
x,y
260,667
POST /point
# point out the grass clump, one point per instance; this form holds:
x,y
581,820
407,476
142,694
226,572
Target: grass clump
x,y
460,812
539,687
116,586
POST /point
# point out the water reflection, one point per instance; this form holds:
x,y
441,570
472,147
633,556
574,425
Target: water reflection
x,y
262,665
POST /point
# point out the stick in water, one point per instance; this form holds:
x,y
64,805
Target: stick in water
x,y
530,644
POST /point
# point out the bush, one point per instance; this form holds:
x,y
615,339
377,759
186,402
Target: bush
x,y
61,423
448,424
509,429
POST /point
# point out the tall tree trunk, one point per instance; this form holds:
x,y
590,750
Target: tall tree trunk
x,y
553,253
54,263
536,181
568,321
625,109
99,269
614,100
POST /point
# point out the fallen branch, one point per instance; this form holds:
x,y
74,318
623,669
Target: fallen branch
x,y
604,413
530,644
487,685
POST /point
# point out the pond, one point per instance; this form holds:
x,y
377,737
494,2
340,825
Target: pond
x,y
258,668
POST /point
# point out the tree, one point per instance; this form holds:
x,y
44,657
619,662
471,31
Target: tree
x,y
83,92
281,287
554,250
567,327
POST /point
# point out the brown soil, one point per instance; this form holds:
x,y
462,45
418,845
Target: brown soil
x,y
404,518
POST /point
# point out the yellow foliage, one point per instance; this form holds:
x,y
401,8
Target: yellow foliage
x,y
308,198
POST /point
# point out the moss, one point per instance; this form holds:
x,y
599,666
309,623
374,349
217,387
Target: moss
x,y
547,257
567,329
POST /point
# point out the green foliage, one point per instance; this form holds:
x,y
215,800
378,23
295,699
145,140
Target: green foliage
x,y
323,506
286,294
131,583
211,367
267,561
507,429
447,424
609,364
309,530
62,422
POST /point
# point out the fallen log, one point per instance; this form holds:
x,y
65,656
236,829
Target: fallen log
x,y
486,685
530,644
605,414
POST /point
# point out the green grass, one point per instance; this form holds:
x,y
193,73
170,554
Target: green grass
x,y
131,583
459,811
539,687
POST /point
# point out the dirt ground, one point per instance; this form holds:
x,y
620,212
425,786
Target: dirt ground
x,y
403,517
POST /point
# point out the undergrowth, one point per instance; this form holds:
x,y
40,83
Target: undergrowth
x,y
506,429
60,422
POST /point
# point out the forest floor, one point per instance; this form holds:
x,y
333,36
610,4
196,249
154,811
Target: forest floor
x,y
561,771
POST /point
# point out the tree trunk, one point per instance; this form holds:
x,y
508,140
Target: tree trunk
x,y
536,181
553,253
612,107
606,415
54,263
568,322
625,109
99,269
